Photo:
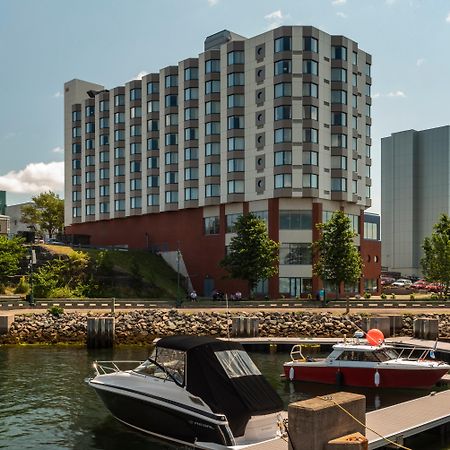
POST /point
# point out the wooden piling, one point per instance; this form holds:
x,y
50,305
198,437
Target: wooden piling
x,y
6,321
100,332
245,327
424,328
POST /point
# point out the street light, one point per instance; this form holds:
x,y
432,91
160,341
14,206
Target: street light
x,y
178,303
32,262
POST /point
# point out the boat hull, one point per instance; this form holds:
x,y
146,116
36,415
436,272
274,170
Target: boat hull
x,y
162,418
365,377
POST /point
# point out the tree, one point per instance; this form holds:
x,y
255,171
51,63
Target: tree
x,y
11,252
338,258
436,260
252,255
46,213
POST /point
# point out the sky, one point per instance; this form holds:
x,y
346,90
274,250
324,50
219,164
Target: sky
x,y
44,43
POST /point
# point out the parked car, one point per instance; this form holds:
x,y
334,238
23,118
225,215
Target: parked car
x,y
386,281
434,287
53,241
420,284
402,282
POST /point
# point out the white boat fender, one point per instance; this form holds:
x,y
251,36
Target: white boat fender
x,y
376,378
291,373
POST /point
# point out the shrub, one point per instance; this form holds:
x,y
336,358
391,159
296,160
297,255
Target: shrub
x,y
383,296
22,287
61,292
56,311
2,288
393,296
309,296
367,295
434,296
412,296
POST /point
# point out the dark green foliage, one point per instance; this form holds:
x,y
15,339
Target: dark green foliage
x,y
136,276
22,287
436,259
252,255
338,258
104,264
11,252
56,311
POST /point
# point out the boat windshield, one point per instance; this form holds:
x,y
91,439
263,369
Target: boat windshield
x,y
372,356
165,363
237,363
386,354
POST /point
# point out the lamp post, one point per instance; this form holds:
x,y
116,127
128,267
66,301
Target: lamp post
x,y
30,266
178,303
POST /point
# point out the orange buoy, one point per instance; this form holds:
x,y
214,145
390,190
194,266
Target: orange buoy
x,y
375,337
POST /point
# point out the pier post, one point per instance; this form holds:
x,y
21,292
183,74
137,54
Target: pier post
x,y
424,328
396,324
6,321
354,441
381,323
100,332
245,326
316,421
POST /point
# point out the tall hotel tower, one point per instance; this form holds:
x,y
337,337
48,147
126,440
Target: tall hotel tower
x,y
277,125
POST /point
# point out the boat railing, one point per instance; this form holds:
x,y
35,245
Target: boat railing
x,y
106,367
408,352
296,353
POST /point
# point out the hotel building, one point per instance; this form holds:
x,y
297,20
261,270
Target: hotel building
x,y
277,125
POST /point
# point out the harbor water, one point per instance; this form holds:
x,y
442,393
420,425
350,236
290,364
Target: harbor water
x,y
45,403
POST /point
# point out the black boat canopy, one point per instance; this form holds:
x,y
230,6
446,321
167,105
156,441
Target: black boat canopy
x,y
222,374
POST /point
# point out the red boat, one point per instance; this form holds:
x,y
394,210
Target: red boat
x,y
367,363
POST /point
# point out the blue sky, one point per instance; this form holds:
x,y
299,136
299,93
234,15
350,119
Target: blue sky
x,y
44,43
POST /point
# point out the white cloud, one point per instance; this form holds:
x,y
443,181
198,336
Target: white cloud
x,y
57,95
213,2
57,150
139,76
448,18
34,179
338,2
420,61
376,95
341,14
276,18
396,94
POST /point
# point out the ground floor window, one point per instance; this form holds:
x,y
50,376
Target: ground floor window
x,y
262,288
295,286
370,284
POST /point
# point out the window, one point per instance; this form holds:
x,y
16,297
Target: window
x,y
190,134
153,125
135,202
310,112
370,230
367,89
295,220
135,166
104,157
354,58
119,100
339,52
311,158
152,87
354,165
76,116
295,254
283,158
90,210
76,180
211,225
191,173
339,74
339,118
283,180
171,177
76,164
153,181
212,65
339,184
152,144
89,177
171,139
119,117
283,90
76,211
310,44
368,192
354,79
235,79
119,169
119,152
368,130
119,205
212,148
230,222
76,132
104,105
104,207
339,96
76,196
212,170
135,94
190,153
153,200
235,101
76,148
354,144
153,106
368,110
89,144
368,151
236,57
135,184
103,122
104,191
171,100
310,90
236,165
119,135
191,193
282,135
235,122
368,69
294,286
191,93
212,86
339,162
191,73
135,130
212,108
135,112
235,143
311,135
283,66
310,67
153,162
90,160
212,190
368,170
90,127
283,112
191,114
310,180
339,140
171,158
171,81
90,111
235,187
354,101
119,188
354,186
283,44
212,128
262,215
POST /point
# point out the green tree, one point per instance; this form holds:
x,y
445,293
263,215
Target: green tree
x,y
337,257
436,260
252,255
45,214
11,252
